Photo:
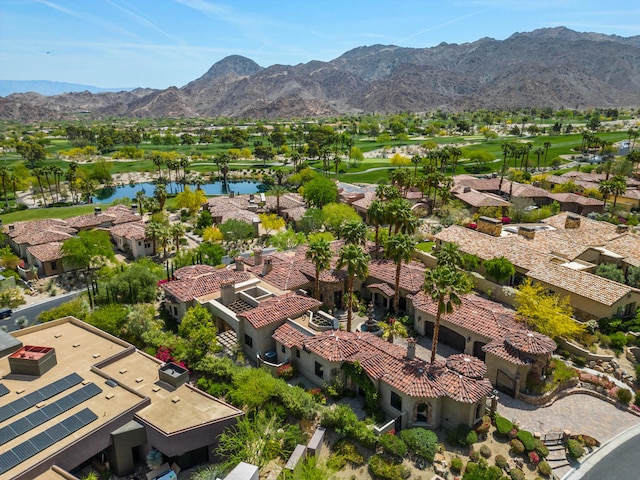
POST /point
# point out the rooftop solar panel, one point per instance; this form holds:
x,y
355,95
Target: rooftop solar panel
x,y
43,440
44,393
3,390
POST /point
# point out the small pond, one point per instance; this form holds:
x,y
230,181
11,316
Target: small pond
x,y
109,194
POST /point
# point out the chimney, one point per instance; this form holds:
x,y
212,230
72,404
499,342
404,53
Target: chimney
x,y
622,228
466,189
572,222
227,292
232,194
239,264
257,256
134,208
411,348
268,266
11,227
97,210
527,232
490,226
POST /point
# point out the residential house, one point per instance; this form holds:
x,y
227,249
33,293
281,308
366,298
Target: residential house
x,y
46,258
131,238
411,390
73,394
571,202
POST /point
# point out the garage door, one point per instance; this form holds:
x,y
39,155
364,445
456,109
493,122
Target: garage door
x,y
447,337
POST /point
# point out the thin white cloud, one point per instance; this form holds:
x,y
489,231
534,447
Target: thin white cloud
x,y
142,19
109,26
434,27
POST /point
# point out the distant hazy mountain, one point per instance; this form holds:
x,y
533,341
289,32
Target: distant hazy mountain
x,y
47,88
552,67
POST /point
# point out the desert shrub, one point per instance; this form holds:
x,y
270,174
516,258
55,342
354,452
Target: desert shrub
x,y
484,426
517,474
618,341
456,465
393,446
474,456
565,354
544,468
344,451
485,451
527,440
534,458
471,438
382,468
462,435
501,461
541,448
589,441
624,396
503,426
482,470
517,446
579,361
513,433
423,443
575,449
344,421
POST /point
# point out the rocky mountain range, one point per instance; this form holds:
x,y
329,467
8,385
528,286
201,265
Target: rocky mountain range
x,y
554,67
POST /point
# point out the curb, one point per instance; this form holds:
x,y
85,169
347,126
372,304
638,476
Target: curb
x,y
590,460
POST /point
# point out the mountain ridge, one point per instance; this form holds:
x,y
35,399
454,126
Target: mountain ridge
x,y
552,67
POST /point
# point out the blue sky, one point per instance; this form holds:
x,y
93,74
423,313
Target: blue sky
x,y
159,43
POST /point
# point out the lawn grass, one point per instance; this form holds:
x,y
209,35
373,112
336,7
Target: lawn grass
x,y
41,213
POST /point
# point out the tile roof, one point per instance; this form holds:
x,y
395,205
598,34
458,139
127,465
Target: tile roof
x,y
46,252
275,309
479,199
90,220
384,288
37,232
627,245
479,184
581,284
387,362
196,281
467,365
475,314
289,336
530,342
411,274
285,270
131,230
573,198
500,349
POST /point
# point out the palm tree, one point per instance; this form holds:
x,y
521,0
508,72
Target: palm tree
x,y
56,171
88,187
71,177
538,153
416,160
547,146
38,173
354,232
141,198
376,214
158,161
160,194
164,237
392,328
618,187
4,176
46,171
449,254
444,285
177,231
356,261
153,231
398,249
320,254
277,191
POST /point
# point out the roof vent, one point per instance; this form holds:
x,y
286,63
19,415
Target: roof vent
x,y
173,374
32,360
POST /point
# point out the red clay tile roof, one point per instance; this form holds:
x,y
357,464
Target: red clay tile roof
x,y
475,314
131,230
47,252
467,365
573,198
285,270
500,349
275,309
411,274
384,288
388,363
480,199
200,280
530,342
289,336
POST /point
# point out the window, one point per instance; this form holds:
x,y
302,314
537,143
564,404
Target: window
x,y
139,244
54,266
175,311
319,370
248,341
297,353
147,245
422,413
282,349
396,401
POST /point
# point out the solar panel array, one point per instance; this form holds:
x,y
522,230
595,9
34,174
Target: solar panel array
x,y
3,390
41,441
47,412
33,398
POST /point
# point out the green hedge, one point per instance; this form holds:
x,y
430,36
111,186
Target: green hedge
x,y
384,469
423,443
503,425
527,440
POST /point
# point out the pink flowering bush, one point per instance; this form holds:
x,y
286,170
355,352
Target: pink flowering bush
x,y
534,458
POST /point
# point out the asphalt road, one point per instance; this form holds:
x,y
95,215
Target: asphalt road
x,y
32,311
621,464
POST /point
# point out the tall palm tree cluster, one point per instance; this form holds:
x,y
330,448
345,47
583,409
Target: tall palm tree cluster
x,y
165,234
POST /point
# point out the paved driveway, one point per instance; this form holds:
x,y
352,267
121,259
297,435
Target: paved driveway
x,y
577,413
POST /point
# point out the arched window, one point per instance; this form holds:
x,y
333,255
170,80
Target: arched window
x,y
423,413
